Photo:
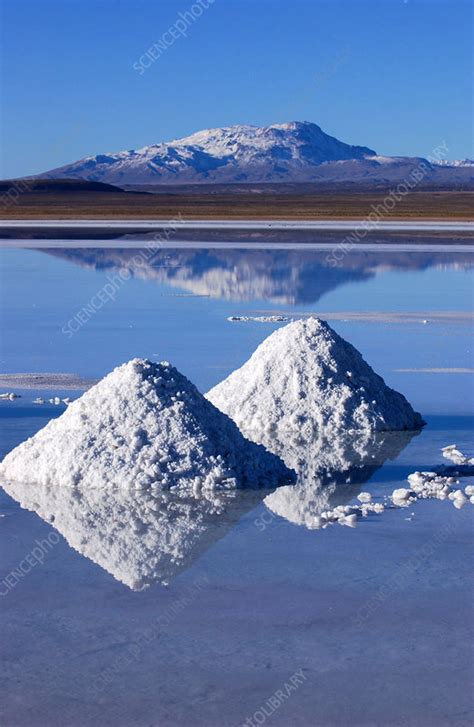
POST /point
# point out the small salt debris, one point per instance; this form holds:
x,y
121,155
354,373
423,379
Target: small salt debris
x,y
460,500
10,395
349,520
452,453
38,400
258,319
401,494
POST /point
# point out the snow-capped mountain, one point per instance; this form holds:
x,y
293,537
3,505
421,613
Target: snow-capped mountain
x,y
455,163
291,152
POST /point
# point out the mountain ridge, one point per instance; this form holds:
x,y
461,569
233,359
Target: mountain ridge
x,y
295,151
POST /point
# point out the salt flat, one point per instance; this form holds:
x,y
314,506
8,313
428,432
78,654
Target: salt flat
x,y
113,224
262,597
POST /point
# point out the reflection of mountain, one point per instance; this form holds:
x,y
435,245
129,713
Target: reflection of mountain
x,y
329,472
139,537
279,276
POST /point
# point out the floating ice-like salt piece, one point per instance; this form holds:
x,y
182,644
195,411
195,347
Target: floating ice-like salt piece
x,y
10,395
452,453
349,520
364,497
38,400
471,499
318,521
378,507
401,494
469,490
460,499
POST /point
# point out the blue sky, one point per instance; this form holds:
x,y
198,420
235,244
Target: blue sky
x,y
395,75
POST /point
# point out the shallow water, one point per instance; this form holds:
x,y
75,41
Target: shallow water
x,y
367,626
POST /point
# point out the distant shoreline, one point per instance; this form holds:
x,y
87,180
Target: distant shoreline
x,y
260,205
122,244
43,381
281,234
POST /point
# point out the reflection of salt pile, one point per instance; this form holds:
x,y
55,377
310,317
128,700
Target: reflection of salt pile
x,y
144,424
306,379
330,474
139,537
321,502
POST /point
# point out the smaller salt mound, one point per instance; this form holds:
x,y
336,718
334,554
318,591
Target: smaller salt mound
x,y
143,425
305,378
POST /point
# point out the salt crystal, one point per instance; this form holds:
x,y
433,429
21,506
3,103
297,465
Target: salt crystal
x,y
401,494
349,520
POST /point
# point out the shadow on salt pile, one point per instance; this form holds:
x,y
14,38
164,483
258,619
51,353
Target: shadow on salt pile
x,y
140,537
330,472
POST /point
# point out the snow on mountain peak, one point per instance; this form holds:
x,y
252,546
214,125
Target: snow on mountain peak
x,y
293,151
279,152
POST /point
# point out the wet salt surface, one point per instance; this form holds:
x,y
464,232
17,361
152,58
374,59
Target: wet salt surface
x,y
365,614
379,619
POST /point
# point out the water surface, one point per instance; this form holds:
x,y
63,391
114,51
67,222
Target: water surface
x,y
377,620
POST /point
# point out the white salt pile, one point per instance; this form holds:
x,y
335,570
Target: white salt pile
x,y
305,379
143,425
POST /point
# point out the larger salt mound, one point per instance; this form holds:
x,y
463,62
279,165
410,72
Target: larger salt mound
x,y
144,424
306,379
